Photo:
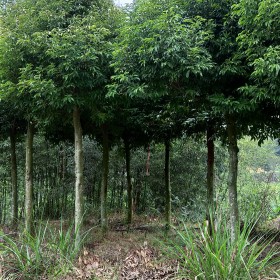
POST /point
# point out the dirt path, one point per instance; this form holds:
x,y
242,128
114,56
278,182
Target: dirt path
x,y
123,255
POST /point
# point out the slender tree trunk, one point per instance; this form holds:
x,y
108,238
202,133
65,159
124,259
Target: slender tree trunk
x,y
129,183
79,175
104,185
138,187
1,205
29,179
92,190
232,176
14,176
113,197
148,162
4,204
61,170
167,185
121,191
65,191
210,177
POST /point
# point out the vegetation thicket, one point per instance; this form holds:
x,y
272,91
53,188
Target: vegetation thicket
x,y
152,109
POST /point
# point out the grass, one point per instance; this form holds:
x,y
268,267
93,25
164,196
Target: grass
x,y
55,256
47,252
51,253
26,255
216,257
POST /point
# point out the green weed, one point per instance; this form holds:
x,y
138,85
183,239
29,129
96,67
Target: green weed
x,y
27,255
216,257
47,252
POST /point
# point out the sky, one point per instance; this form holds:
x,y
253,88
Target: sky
x,y
123,2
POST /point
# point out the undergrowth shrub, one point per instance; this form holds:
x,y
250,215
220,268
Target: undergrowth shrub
x,y
206,257
26,255
47,252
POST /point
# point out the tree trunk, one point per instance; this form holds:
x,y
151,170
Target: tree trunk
x,y
167,185
121,191
138,187
129,183
29,179
61,177
232,176
104,185
4,204
148,162
14,176
210,178
79,175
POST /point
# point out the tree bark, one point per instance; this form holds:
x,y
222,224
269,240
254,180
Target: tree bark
x,y
79,175
104,185
29,179
232,176
138,188
210,178
167,185
62,170
129,183
14,176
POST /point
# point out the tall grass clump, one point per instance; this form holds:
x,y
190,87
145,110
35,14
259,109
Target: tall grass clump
x,y
46,252
206,257
63,242
26,255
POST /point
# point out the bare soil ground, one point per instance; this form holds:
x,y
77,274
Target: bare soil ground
x,y
125,254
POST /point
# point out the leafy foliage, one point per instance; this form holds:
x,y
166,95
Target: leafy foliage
x,y
260,42
159,49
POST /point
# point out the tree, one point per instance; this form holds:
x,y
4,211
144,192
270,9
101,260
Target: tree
x,y
12,126
259,47
105,174
11,61
64,51
220,89
159,51
77,60
132,130
260,43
